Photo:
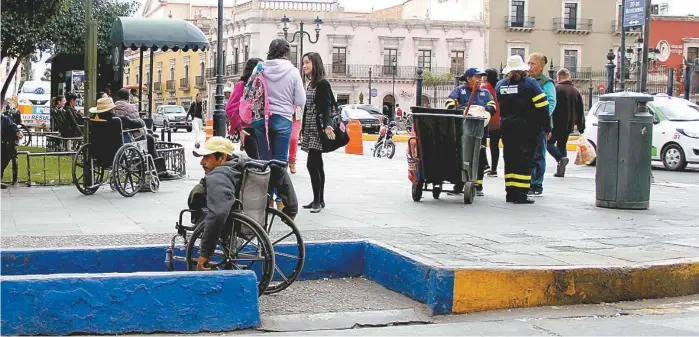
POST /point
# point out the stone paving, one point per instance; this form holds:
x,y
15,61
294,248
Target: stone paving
x,y
368,197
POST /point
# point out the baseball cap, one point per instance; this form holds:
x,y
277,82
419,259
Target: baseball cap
x,y
213,145
473,71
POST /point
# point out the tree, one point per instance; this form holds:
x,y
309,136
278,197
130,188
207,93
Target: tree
x,y
361,98
47,74
70,32
26,27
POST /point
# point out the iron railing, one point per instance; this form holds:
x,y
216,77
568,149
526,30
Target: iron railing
x,y
184,83
170,85
566,24
526,22
157,86
200,82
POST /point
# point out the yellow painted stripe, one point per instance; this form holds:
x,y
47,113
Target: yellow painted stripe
x,y
491,289
516,184
538,97
542,104
517,176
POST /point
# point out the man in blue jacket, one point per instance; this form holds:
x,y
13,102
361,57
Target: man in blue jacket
x,y
459,99
537,62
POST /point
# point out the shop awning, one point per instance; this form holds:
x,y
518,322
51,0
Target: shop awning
x,y
158,34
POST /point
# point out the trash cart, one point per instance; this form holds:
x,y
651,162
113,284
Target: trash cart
x,y
435,152
471,143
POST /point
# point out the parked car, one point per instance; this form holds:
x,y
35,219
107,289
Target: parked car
x,y
370,123
675,130
173,116
374,111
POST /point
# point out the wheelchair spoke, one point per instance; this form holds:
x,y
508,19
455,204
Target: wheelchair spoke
x,y
282,239
287,255
276,267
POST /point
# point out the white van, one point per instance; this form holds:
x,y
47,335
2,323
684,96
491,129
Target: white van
x,y
34,102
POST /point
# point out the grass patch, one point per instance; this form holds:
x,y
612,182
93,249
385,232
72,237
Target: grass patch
x,y
45,170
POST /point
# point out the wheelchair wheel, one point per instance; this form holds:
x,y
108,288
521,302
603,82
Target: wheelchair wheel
x,y
80,163
244,245
129,170
289,250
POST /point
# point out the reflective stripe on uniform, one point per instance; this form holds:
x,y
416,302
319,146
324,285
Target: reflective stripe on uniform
x,y
479,182
517,176
517,184
542,104
538,97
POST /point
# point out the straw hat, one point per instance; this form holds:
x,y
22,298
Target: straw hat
x,y
103,104
515,63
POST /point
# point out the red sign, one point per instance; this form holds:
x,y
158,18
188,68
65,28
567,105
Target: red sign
x,y
600,88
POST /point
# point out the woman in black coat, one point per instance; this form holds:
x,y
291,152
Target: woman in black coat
x,y
316,125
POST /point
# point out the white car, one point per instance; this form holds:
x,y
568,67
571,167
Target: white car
x,y
675,130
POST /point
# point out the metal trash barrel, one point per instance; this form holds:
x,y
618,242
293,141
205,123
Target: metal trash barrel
x,y
624,141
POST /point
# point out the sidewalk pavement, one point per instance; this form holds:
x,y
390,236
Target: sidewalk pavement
x,y
369,197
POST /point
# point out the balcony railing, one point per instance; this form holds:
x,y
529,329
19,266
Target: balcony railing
x,y
184,83
200,82
157,86
616,28
572,25
379,71
210,72
170,85
520,22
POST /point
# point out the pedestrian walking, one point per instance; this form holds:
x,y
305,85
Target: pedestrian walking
x,y
537,62
465,96
196,112
316,121
569,113
523,117
248,140
494,134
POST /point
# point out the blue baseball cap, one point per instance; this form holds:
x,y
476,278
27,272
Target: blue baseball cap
x,y
473,71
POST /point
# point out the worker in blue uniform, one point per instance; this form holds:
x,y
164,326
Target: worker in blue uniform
x,y
465,96
523,117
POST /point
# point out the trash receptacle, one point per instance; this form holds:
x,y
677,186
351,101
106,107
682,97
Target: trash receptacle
x,y
471,141
624,141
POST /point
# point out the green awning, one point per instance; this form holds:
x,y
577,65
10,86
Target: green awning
x,y
164,34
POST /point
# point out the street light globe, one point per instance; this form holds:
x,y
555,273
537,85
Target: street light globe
x,y
284,23
319,23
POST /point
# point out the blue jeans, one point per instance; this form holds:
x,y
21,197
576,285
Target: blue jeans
x,y
539,164
279,136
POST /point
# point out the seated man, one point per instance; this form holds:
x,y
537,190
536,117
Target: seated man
x,y
214,196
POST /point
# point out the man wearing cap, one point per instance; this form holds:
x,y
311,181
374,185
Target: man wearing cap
x,y
215,194
462,97
523,117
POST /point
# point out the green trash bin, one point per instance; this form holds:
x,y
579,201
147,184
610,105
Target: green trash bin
x,y
471,142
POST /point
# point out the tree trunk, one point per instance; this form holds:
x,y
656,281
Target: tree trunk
x,y
9,78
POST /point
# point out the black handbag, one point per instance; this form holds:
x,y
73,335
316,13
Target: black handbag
x,y
339,128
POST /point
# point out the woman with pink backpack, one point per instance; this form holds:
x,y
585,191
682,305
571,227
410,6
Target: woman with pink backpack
x,y
248,140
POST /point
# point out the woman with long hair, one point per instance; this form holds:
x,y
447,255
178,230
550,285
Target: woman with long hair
x,y
524,115
494,134
316,121
248,140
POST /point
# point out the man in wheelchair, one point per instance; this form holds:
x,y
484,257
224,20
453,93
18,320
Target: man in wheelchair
x,y
213,198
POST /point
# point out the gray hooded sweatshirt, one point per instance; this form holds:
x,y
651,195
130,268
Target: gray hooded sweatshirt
x,y
284,87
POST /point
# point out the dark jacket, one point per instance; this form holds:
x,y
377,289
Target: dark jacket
x,y
195,110
216,193
570,110
324,101
9,130
523,106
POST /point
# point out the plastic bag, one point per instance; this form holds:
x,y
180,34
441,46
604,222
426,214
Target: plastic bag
x,y
585,154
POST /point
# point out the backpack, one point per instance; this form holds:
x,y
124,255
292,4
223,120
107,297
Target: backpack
x,y
254,105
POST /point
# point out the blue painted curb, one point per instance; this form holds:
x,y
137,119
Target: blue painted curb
x,y
62,304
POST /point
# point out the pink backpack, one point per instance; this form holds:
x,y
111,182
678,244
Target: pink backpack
x,y
254,105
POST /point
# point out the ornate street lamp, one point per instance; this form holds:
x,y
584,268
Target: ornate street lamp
x,y
219,112
301,32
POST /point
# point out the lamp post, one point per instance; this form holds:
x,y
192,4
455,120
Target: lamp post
x,y
219,113
369,85
393,91
301,33
610,72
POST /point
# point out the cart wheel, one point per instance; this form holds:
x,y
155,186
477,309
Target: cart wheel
x,y
436,191
469,192
417,191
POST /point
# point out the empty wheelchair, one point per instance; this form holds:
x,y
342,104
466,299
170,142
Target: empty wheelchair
x,y
113,155
251,239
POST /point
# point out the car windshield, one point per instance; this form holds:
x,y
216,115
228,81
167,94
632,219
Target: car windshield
x,y
677,111
370,109
35,88
173,110
358,113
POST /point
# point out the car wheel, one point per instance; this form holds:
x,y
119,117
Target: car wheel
x,y
673,158
189,129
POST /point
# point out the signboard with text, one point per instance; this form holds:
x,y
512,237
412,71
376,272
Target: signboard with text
x,y
634,13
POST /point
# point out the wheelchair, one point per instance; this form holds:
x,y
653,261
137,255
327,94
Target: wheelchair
x,y
112,154
250,240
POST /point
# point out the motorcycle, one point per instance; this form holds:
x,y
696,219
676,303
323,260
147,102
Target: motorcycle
x,y
385,147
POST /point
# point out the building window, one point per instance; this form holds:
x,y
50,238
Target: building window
x,y
172,73
224,63
424,59
517,13
692,54
247,53
339,60
201,69
570,15
294,56
457,62
236,58
390,59
127,80
518,51
186,71
570,60
147,77
160,75
137,79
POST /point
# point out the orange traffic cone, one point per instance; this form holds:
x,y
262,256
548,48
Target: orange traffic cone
x,y
355,145
209,128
